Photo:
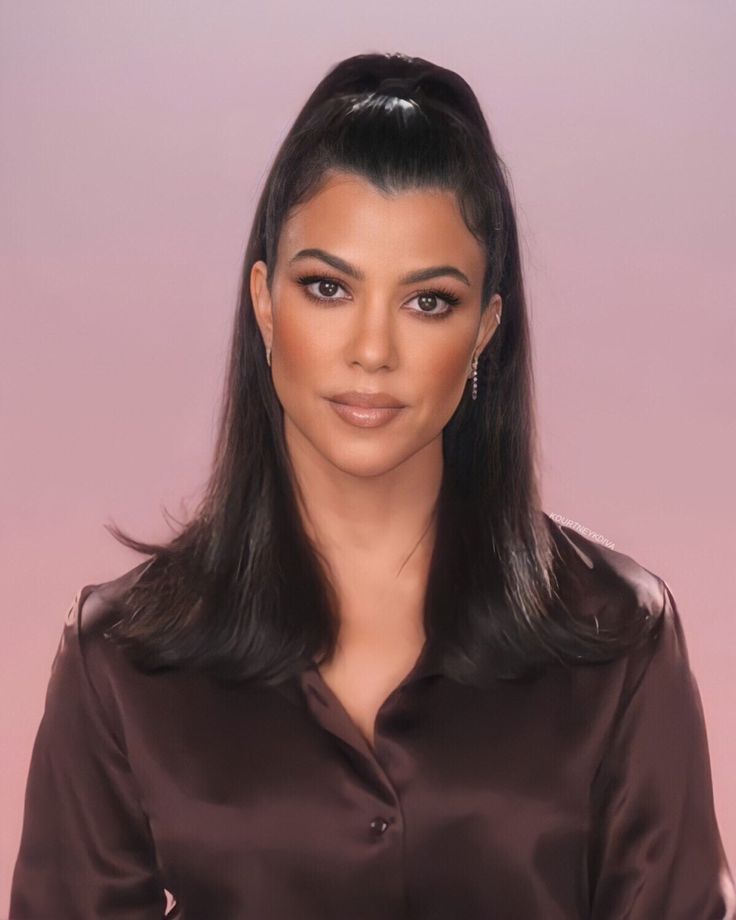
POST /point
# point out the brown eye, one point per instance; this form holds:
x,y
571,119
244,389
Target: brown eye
x,y
326,287
428,301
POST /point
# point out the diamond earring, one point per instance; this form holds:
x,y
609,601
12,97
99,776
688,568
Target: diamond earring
x,y
474,394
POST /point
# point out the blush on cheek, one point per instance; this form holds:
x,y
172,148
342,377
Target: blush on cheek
x,y
443,393
300,363
450,369
303,349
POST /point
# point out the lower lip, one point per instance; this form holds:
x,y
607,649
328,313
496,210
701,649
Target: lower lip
x,y
364,417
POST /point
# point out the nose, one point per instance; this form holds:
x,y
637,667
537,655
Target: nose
x,y
372,339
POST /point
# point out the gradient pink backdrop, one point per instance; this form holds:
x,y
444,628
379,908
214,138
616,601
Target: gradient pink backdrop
x,y
135,141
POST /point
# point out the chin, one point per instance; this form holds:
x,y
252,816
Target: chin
x,y
364,462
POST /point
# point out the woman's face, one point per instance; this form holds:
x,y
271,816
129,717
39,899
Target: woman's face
x,y
373,330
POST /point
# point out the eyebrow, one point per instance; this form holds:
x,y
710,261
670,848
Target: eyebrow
x,y
423,274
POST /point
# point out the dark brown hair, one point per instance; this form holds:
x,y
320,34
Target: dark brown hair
x,y
240,590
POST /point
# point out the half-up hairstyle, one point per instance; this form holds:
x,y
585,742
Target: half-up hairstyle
x,y
240,591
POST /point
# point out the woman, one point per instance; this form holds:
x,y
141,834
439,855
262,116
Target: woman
x,y
371,678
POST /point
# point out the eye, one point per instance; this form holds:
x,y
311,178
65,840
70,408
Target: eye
x,y
437,294
450,300
308,280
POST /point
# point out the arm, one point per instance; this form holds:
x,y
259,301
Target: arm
x,y
655,847
86,849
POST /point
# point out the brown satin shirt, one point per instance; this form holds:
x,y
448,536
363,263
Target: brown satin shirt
x,y
585,793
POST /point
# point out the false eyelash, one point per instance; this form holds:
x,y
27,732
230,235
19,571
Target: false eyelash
x,y
442,293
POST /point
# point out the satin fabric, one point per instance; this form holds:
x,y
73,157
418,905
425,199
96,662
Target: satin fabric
x,y
584,793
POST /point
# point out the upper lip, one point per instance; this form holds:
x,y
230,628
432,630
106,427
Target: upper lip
x,y
367,399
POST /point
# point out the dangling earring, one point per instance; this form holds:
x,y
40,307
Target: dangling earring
x,y
474,394
268,356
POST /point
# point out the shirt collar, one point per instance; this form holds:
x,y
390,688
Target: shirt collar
x,y
427,665
309,679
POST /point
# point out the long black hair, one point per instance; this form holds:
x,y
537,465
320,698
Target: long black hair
x,y
241,591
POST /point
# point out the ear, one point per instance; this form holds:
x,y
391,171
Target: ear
x,y
261,298
489,322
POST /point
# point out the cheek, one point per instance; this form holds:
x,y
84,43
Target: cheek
x,y
443,376
301,347
443,366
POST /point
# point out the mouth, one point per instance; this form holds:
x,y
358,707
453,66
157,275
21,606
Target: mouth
x,y
367,400
365,416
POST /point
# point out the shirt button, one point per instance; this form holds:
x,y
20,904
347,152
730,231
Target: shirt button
x,y
378,825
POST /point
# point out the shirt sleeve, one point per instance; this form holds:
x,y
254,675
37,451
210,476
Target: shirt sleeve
x,y
86,849
656,848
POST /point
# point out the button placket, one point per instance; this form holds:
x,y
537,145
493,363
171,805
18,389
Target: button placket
x,y
333,716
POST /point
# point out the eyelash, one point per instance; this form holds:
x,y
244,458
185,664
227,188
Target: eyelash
x,y
450,299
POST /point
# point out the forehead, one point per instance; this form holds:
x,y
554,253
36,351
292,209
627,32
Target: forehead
x,y
350,216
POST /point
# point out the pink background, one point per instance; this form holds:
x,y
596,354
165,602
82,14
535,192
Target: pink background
x,y
135,140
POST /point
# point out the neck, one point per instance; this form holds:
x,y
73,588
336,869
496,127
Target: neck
x,y
375,524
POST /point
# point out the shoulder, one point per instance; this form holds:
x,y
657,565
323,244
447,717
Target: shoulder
x,y
84,650
621,594
606,585
86,666
96,607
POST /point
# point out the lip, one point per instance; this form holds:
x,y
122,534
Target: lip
x,y
366,416
367,400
